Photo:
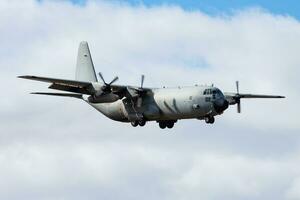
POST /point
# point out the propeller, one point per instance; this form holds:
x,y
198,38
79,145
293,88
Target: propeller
x,y
106,88
104,95
237,97
137,92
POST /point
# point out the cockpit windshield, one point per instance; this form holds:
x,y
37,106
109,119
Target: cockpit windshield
x,y
207,91
214,91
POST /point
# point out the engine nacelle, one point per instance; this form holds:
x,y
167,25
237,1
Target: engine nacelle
x,y
105,98
231,100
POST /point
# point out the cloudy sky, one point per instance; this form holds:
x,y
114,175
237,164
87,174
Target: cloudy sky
x,y
59,148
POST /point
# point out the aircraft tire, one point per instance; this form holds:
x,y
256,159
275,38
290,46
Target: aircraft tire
x,y
162,125
170,124
142,122
209,120
206,119
134,123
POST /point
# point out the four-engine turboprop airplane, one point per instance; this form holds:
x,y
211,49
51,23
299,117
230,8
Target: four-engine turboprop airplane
x,y
138,105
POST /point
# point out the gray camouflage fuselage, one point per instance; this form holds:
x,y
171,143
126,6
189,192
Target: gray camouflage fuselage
x,y
166,104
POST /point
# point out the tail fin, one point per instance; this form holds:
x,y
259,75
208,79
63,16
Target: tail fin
x,y
85,70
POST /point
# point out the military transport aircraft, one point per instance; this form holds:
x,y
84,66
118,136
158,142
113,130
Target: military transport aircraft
x,y
138,105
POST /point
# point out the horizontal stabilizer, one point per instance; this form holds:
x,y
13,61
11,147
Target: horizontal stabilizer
x,y
79,96
56,80
64,84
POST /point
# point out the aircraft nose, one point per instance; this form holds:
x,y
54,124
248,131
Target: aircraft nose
x,y
225,104
221,105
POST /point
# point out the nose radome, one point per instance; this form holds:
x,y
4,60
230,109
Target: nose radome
x,y
226,104
221,105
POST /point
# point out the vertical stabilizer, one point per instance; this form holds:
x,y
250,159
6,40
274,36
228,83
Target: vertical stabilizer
x,y
85,70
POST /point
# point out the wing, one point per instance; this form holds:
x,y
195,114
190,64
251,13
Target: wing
x,y
260,96
83,87
65,85
235,98
234,95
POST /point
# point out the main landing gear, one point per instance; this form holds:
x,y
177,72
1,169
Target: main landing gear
x,y
138,123
209,120
162,124
166,124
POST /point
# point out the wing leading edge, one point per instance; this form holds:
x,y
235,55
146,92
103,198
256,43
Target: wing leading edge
x,y
233,95
79,96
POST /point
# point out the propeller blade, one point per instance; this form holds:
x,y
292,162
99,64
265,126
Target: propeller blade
x,y
237,86
237,97
100,75
114,80
142,80
239,107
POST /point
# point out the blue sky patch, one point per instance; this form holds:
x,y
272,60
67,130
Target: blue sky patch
x,y
214,7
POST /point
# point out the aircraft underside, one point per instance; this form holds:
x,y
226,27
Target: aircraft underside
x,y
166,115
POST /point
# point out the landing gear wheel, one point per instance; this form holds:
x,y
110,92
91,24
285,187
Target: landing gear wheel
x,y
134,123
162,125
170,124
142,122
209,120
206,119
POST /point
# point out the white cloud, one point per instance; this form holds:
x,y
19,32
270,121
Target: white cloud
x,y
54,148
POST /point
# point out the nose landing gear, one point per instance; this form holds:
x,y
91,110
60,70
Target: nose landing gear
x,y
209,120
